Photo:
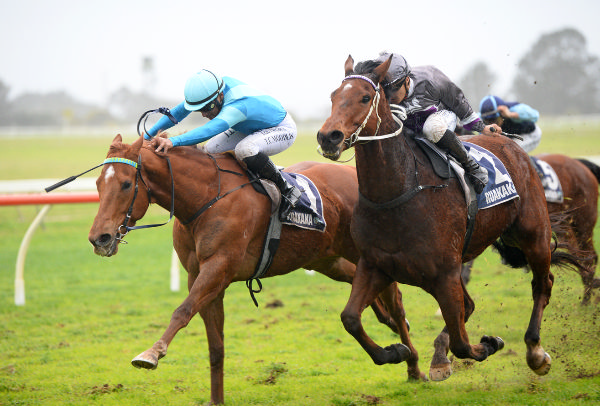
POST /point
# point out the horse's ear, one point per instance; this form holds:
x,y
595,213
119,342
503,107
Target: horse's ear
x,y
117,141
137,144
382,69
349,65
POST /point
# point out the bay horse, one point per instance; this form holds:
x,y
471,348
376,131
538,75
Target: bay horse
x,y
410,229
579,179
222,245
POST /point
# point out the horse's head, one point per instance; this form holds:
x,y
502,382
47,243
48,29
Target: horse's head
x,y
351,106
123,197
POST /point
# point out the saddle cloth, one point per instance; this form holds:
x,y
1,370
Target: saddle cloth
x,y
551,183
308,212
500,187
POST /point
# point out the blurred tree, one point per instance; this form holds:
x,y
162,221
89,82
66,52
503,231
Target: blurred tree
x,y
476,83
4,104
559,76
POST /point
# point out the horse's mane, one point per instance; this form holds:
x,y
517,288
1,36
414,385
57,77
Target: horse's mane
x,y
366,67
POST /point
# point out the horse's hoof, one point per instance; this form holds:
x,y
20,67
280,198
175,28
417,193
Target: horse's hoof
x,y
398,353
545,367
496,343
145,361
440,372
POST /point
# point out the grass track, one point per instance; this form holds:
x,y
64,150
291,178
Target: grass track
x,y
87,316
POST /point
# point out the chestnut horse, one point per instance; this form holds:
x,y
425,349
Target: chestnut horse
x,y
410,228
222,245
579,180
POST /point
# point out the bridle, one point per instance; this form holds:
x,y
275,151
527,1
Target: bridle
x,y
398,114
124,228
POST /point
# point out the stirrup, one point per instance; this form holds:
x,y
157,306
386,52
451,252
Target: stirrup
x,y
289,200
292,196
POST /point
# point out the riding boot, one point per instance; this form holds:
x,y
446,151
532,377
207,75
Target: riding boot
x,y
265,168
476,173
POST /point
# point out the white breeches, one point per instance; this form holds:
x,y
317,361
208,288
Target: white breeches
x,y
436,124
269,141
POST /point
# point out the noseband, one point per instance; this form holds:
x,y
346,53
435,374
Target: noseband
x,y
398,114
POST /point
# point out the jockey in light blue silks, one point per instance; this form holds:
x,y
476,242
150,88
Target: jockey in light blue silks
x,y
241,119
514,118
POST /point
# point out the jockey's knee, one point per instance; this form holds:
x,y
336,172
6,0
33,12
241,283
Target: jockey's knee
x,y
434,129
246,149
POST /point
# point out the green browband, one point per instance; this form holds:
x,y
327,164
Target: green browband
x,y
120,160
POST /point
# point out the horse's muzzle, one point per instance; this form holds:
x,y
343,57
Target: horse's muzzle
x,y
106,245
331,144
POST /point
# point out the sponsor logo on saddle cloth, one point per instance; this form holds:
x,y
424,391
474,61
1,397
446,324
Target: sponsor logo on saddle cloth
x,y
500,187
551,183
308,212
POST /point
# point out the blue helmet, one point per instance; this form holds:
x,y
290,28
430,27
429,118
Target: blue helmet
x,y
202,88
488,107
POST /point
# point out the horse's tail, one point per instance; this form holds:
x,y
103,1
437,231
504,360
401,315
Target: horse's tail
x,y
592,167
564,254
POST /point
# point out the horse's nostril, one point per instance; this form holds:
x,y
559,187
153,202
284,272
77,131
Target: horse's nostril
x,y
103,240
336,137
333,138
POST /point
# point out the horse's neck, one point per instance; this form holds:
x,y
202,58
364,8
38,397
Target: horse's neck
x,y
191,177
385,168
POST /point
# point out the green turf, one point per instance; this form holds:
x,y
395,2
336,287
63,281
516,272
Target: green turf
x,y
86,317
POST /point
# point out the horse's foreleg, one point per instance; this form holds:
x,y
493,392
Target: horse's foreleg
x,y
203,292
367,284
214,319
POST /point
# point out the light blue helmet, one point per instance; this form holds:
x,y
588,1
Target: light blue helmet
x,y
202,88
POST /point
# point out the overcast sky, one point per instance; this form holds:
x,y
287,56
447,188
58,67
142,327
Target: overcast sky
x,y
293,50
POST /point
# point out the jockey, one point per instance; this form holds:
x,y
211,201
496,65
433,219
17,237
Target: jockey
x,y
514,118
241,118
434,105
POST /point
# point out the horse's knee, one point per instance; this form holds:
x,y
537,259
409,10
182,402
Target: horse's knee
x,y
182,316
351,321
216,356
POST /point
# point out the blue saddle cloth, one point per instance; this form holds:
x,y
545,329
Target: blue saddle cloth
x,y
500,187
551,183
308,212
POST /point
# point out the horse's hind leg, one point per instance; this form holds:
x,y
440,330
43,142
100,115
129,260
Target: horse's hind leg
x,y
587,277
367,284
441,368
537,359
391,298
214,320
457,307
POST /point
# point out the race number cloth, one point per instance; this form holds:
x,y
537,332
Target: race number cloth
x,y
551,183
308,212
500,187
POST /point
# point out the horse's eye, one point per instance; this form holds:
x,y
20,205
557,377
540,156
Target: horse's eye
x,y
366,99
126,185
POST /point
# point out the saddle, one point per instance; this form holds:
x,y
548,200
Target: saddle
x,y
308,214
